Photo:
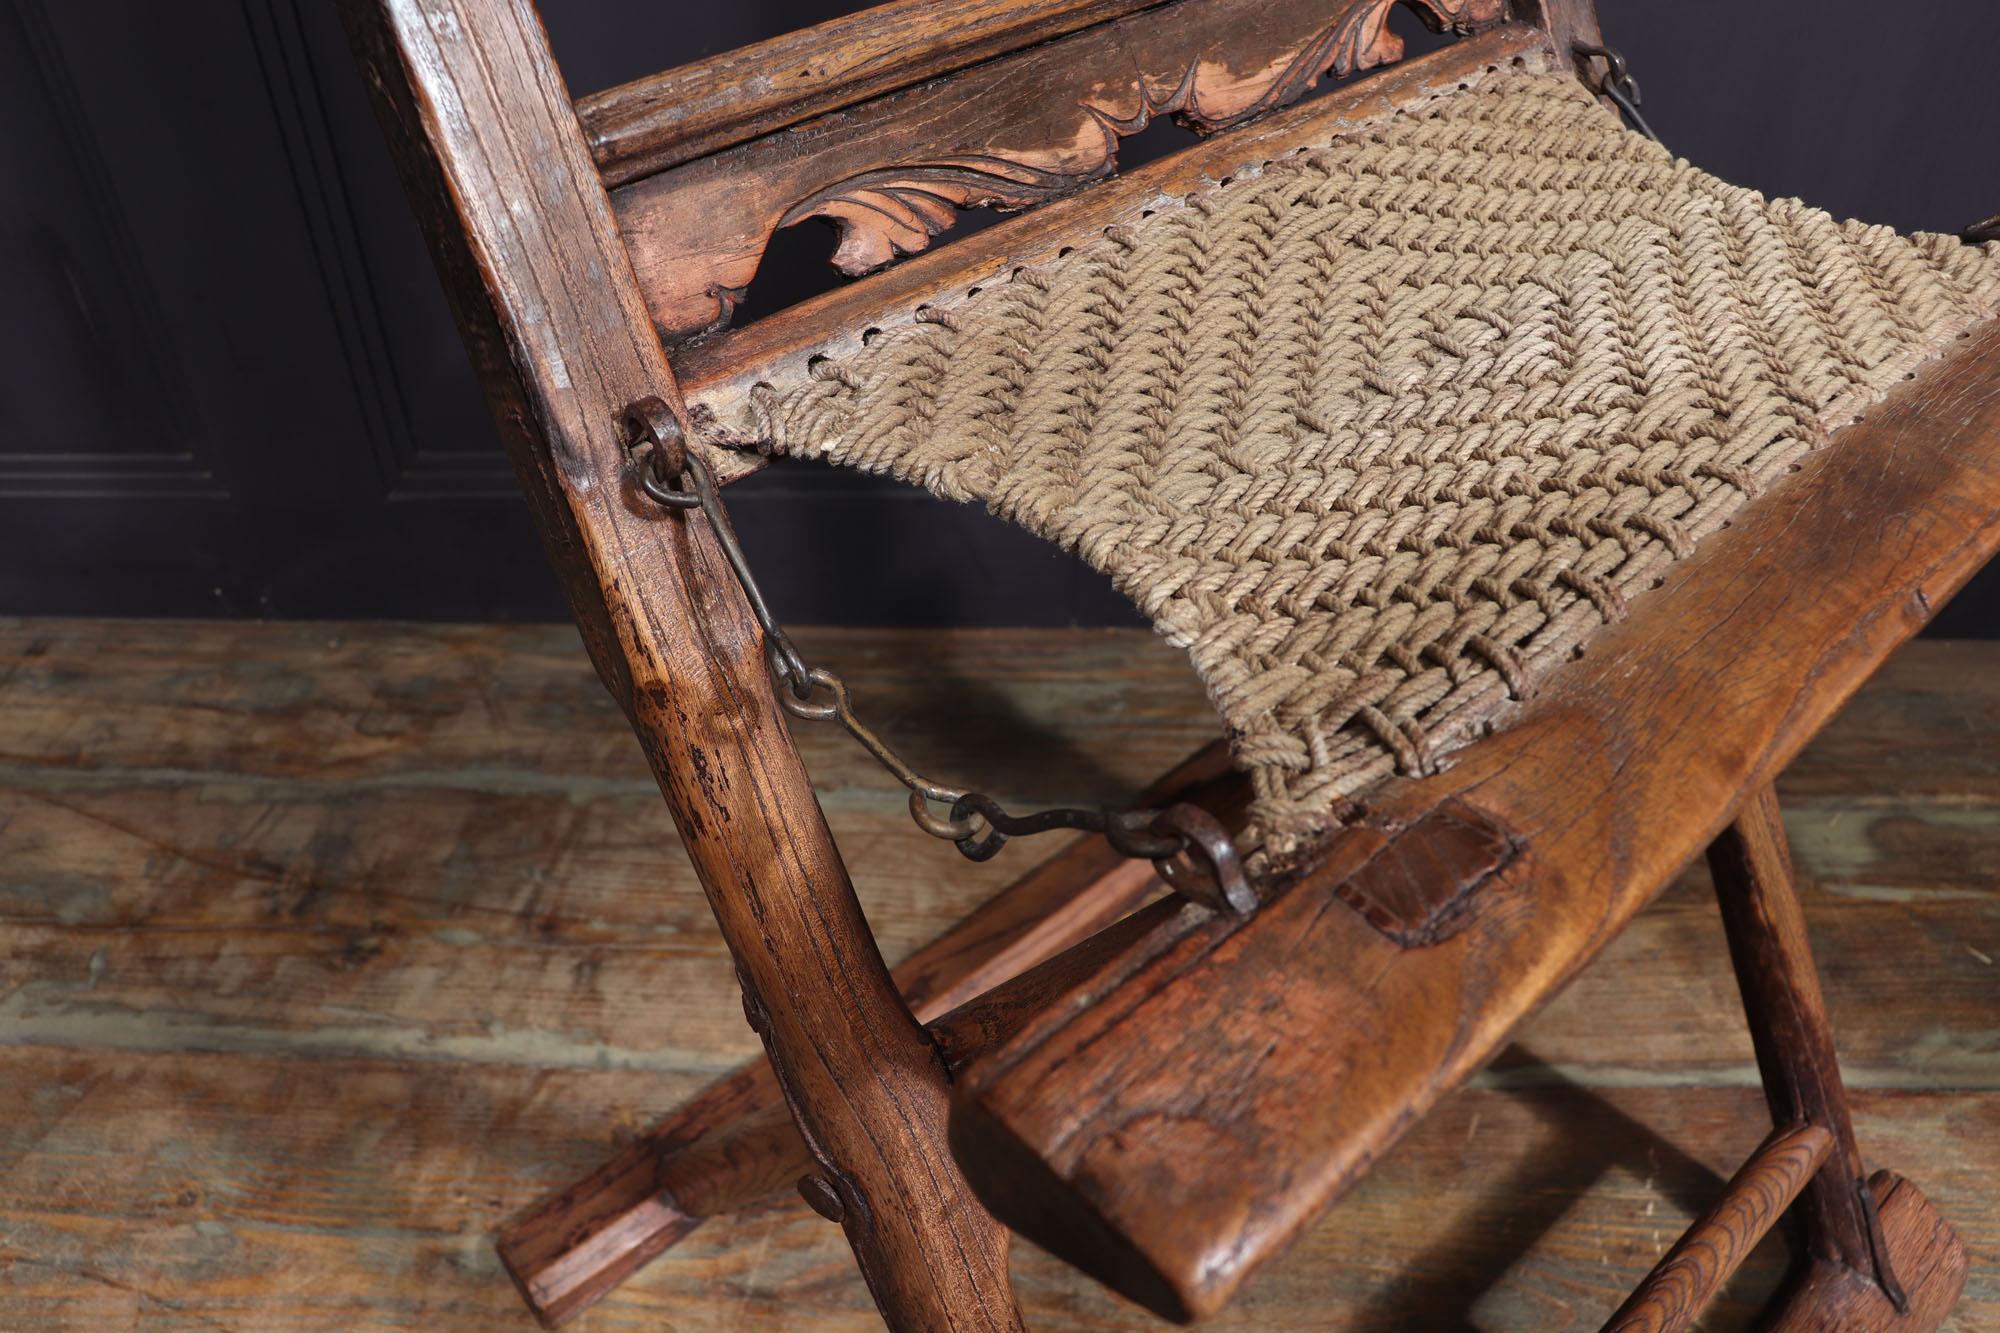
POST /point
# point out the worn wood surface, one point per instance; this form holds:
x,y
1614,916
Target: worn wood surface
x,y
1012,133
724,1148
1690,1274
685,112
1922,1247
1570,23
1324,1037
328,948
495,165
1797,1051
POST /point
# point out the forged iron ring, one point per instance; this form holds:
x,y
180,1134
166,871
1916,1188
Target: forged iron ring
x,y
655,485
800,704
801,680
1139,835
975,846
1207,867
952,827
649,420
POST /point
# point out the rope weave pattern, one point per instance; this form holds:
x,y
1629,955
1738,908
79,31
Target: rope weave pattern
x,y
1383,432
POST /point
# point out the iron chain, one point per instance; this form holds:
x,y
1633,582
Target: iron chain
x,y
1189,847
1619,85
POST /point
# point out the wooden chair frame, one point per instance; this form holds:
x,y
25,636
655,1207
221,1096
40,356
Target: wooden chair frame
x,y
923,1108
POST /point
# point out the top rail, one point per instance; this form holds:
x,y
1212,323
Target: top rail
x,y
680,114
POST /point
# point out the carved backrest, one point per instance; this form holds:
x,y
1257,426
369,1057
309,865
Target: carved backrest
x,y
888,122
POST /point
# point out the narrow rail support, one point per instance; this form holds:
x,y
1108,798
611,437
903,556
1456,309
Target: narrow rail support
x,y
1684,1282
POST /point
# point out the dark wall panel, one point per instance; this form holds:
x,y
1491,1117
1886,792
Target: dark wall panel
x,y
231,386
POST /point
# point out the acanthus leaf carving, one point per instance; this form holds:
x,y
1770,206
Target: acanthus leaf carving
x,y
886,213
1054,117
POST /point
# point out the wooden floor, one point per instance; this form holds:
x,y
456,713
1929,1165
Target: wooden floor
x,y
326,948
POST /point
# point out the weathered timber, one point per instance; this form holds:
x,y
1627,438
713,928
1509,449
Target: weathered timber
x,y
265,883
1752,868
679,114
1011,133
718,372
1922,1248
726,1148
1318,1039
1691,1273
1569,23
523,232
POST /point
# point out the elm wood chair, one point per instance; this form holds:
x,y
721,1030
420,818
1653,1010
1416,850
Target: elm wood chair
x,y
1525,499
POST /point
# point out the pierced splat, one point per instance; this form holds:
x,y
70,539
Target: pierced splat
x,y
892,173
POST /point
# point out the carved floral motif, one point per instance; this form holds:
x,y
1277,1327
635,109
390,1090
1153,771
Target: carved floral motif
x,y
1024,129
888,212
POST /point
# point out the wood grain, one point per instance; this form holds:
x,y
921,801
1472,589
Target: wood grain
x,y
1752,868
522,232
733,1144
1012,133
1319,1039
1834,1298
1569,23
1690,1274
326,948
690,110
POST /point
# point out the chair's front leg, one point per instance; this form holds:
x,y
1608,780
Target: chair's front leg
x,y
546,299
1752,868
866,1087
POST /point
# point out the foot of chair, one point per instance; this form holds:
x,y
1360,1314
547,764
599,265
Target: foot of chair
x,y
735,1142
572,1248
1925,1254
732,1144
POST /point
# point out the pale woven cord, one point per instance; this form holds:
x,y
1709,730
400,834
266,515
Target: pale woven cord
x,y
1382,433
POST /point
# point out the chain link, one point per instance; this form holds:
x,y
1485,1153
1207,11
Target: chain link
x,y
1619,85
1191,850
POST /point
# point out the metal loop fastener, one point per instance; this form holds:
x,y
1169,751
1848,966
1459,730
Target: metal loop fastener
x,y
649,424
692,486
1207,869
1618,85
1130,832
922,790
1190,849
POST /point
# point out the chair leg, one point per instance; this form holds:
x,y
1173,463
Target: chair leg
x,y
1879,1256
1752,868
1929,1259
733,1144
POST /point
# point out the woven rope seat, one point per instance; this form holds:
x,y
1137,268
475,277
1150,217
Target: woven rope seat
x,y
1383,432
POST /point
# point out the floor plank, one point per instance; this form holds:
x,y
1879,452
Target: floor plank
x,y
324,948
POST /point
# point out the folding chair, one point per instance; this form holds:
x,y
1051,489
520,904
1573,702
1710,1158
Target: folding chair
x,y
1524,497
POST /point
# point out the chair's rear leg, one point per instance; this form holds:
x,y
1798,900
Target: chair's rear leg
x,y
1882,1257
1752,867
1859,1260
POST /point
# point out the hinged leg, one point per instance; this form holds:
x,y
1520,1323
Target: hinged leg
x,y
1752,867
547,299
1879,1257
735,1144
